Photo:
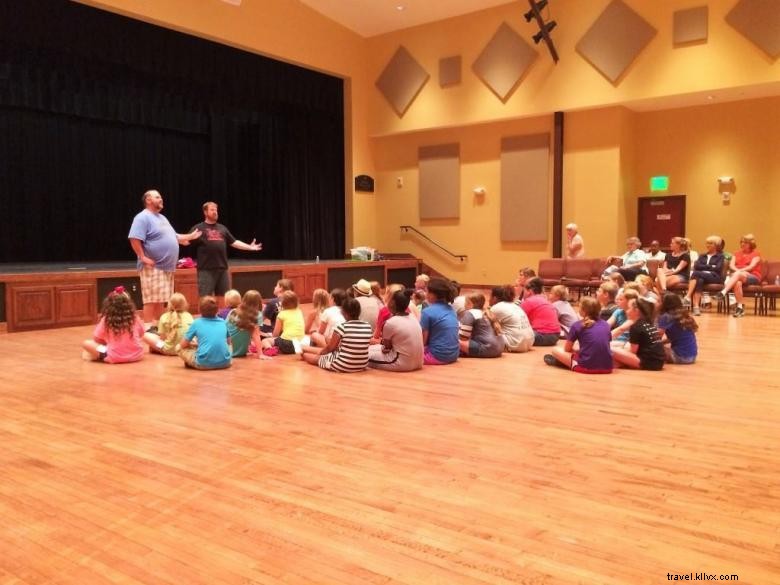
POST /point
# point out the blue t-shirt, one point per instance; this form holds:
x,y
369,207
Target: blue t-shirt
x,y
620,318
212,334
158,239
683,340
441,323
594,352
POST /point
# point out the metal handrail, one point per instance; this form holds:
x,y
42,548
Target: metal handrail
x,y
461,257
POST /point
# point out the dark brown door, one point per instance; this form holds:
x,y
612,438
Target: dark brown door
x,y
661,218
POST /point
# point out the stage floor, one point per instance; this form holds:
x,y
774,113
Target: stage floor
x,y
484,472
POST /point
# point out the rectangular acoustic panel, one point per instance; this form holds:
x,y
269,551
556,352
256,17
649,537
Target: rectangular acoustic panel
x,y
439,168
449,71
525,187
401,80
759,22
690,26
615,40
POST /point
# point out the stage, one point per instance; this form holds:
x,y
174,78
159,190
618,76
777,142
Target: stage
x,y
63,294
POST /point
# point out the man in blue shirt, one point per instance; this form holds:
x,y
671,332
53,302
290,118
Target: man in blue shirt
x,y
156,244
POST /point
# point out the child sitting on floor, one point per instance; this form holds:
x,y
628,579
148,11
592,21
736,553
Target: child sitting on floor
x,y
243,324
646,351
232,300
347,350
289,329
117,337
678,330
212,350
592,333
171,328
558,297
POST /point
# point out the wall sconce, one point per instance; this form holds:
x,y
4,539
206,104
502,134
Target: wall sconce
x,y
726,187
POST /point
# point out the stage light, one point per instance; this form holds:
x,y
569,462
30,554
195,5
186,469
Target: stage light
x,y
540,35
544,27
539,7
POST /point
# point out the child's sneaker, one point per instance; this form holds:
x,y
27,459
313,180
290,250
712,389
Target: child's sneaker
x,y
686,302
696,312
739,311
271,351
550,360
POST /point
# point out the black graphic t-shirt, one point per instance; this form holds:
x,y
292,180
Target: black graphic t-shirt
x,y
212,246
651,349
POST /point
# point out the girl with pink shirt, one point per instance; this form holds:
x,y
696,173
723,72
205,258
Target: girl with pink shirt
x,y
118,336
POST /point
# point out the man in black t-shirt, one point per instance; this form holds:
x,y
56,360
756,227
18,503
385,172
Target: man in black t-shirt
x,y
213,276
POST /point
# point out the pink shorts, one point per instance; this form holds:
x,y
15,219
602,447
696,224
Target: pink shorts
x,y
429,360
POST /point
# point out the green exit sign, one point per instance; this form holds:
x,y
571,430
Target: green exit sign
x,y
659,183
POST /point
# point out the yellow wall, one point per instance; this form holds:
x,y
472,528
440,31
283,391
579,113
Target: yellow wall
x,y
476,233
694,146
727,60
609,152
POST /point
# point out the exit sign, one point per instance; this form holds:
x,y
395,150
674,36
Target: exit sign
x,y
659,183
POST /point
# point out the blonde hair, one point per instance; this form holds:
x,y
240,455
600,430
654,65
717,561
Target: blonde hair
x,y
610,288
320,300
289,300
560,292
684,243
645,280
391,290
376,289
750,240
177,304
714,240
232,298
634,240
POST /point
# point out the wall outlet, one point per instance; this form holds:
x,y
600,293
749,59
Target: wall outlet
x,y
399,182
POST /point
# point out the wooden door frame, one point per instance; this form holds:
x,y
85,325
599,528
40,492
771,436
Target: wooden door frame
x,y
665,197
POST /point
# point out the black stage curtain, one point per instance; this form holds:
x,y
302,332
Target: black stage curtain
x,y
96,108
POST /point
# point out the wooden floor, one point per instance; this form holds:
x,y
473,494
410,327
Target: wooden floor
x,y
487,471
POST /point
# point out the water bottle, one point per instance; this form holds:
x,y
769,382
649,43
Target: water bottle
x,y
777,280
317,260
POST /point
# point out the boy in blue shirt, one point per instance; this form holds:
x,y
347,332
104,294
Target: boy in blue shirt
x,y
212,350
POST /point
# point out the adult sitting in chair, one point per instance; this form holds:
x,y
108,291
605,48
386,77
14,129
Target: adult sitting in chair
x,y
708,269
633,262
745,268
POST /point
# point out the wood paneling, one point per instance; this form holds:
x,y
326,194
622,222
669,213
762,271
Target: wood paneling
x,y
31,307
484,472
76,304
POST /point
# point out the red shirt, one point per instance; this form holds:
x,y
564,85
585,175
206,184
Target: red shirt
x,y
541,314
741,260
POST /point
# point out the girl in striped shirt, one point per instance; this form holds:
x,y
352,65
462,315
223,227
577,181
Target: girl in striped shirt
x,y
347,350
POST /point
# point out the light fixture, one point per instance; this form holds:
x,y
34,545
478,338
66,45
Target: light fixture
x,y
544,27
726,186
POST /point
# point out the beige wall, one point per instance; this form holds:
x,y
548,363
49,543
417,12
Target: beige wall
x,y
610,151
694,146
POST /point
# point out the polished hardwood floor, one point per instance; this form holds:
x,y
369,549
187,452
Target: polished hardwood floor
x,y
488,471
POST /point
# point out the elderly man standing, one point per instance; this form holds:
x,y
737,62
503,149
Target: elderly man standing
x,y
575,246
213,276
156,244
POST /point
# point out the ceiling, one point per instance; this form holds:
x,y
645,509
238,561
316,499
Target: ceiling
x,y
375,17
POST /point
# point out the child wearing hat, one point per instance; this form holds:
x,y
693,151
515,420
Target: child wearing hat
x,y
369,304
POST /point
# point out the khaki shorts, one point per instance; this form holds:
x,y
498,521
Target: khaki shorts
x,y
156,285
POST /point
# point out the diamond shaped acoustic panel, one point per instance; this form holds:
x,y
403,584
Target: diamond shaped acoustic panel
x,y
504,61
401,81
615,40
690,26
759,22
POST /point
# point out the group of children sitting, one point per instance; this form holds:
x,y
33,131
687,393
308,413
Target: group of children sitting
x,y
432,324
